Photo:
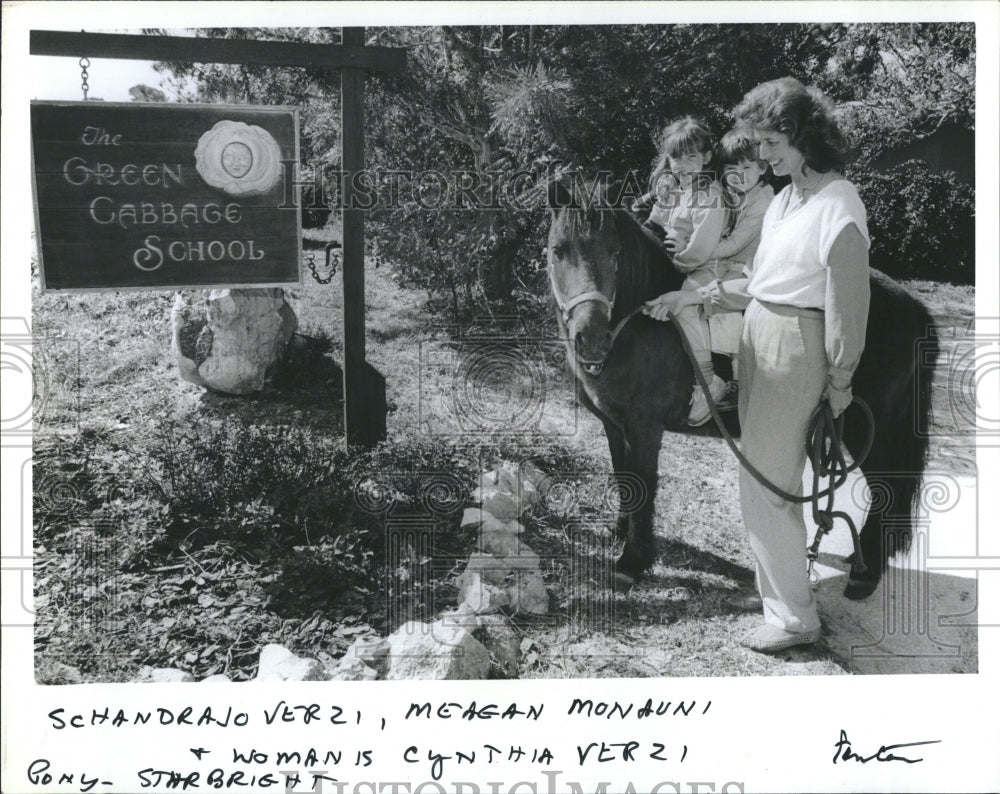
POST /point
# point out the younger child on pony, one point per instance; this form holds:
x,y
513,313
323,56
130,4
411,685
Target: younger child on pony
x,y
709,316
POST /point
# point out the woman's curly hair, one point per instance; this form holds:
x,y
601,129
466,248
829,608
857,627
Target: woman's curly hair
x,y
805,114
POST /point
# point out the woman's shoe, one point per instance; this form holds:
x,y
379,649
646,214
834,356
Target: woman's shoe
x,y
770,639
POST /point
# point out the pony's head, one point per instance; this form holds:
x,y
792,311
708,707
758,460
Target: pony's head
x,y
583,253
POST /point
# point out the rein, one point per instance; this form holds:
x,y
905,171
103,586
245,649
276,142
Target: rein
x,y
823,441
823,437
825,451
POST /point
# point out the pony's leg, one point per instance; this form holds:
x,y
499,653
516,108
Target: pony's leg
x,y
618,447
643,438
619,464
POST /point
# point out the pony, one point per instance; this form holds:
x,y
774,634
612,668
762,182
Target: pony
x,y
633,374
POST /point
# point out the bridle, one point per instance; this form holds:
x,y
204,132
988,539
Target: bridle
x,y
566,306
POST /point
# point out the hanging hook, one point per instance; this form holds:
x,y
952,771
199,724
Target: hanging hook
x,y
84,85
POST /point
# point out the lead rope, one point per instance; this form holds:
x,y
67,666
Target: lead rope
x,y
827,461
823,447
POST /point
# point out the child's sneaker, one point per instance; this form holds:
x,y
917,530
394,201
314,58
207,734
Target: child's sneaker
x,y
731,398
700,412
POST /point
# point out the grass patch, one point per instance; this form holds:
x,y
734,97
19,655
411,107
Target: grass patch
x,y
177,528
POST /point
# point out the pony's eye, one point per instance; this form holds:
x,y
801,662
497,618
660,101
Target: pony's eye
x,y
560,250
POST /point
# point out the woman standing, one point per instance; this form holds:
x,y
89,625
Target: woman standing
x,y
803,335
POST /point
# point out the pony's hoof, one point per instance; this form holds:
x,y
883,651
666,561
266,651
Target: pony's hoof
x,y
859,589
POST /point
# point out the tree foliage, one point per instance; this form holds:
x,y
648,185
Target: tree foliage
x,y
145,93
902,82
492,102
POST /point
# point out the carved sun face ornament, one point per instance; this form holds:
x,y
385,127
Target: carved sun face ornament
x,y
241,159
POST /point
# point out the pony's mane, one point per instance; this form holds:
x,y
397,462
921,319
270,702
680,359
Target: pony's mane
x,y
644,269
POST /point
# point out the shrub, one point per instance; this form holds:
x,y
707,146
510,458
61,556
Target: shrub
x,y
922,224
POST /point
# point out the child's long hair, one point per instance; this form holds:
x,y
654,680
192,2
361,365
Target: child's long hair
x,y
735,147
684,136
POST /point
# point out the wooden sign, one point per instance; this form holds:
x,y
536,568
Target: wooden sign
x,y
157,196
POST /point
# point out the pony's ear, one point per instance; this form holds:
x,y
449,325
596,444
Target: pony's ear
x,y
558,194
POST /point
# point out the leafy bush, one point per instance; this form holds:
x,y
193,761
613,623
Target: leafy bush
x,y
922,224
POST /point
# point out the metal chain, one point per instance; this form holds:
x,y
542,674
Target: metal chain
x,y
84,85
310,258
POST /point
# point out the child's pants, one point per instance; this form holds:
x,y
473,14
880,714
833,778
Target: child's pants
x,y
783,369
719,333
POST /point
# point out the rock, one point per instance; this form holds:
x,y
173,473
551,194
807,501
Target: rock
x,y
351,668
479,595
524,560
501,642
509,478
503,478
60,673
372,651
527,593
514,526
218,678
528,494
191,340
231,343
501,504
501,544
530,473
492,569
163,675
482,587
462,615
475,517
435,651
279,663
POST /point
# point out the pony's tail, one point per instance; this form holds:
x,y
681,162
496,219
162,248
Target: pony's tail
x,y
912,430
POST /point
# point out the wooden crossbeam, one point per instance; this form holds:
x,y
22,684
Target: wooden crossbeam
x,y
209,50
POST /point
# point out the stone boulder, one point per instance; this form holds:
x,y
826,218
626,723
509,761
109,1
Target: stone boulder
x,y
482,587
162,675
527,593
372,651
231,340
474,517
501,642
60,673
351,668
277,663
436,651
500,544
500,503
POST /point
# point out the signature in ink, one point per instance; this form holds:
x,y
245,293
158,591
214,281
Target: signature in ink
x,y
846,753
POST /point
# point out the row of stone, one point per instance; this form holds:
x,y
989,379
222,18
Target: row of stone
x,y
504,572
459,645
473,641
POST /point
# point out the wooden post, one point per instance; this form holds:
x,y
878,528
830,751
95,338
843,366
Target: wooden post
x,y
364,387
